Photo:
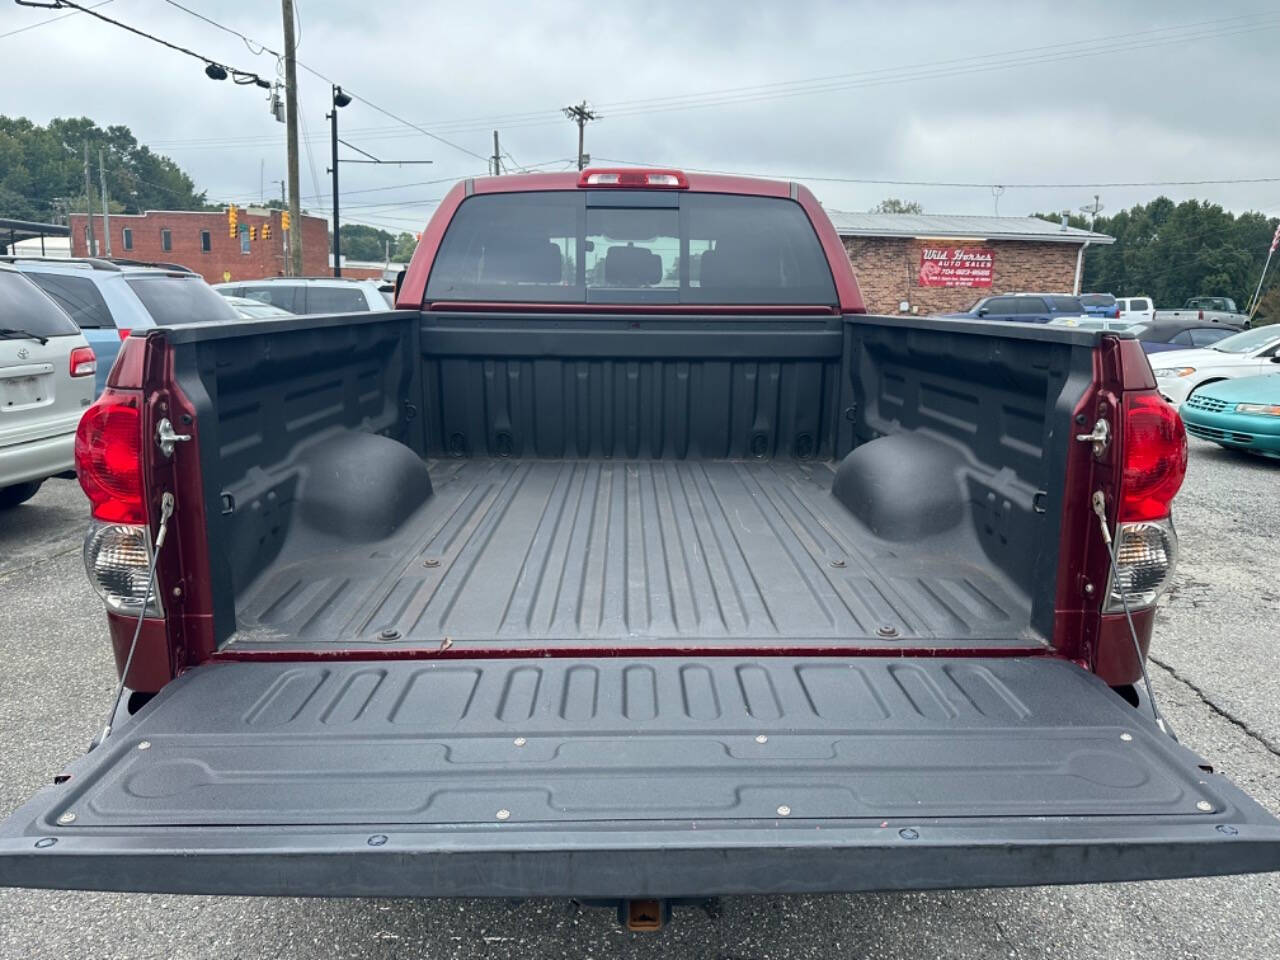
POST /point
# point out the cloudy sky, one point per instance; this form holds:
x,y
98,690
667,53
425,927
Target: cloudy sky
x,y
1059,94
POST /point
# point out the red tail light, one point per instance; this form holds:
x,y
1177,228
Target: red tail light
x,y
124,333
1200,315
1155,457
83,362
109,458
635,179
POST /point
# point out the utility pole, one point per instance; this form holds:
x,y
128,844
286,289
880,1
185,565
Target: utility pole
x,y
106,213
291,133
580,115
497,156
91,241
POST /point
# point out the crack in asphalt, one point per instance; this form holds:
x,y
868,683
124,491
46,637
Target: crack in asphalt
x,y
1241,725
7,572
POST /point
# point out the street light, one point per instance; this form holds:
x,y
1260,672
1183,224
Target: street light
x,y
340,99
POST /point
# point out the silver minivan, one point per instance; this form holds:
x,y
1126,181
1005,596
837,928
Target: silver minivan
x,y
46,381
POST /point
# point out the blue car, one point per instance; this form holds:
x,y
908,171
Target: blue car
x,y
1101,305
1022,308
107,299
1241,414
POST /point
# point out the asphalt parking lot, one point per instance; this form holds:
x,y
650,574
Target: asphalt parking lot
x,y
1216,672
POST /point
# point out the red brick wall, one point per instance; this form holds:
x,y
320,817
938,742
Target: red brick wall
x,y
223,261
886,268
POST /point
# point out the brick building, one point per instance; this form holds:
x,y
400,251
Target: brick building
x,y
941,264
201,240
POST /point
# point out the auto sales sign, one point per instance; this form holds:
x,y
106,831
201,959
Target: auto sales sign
x,y
956,266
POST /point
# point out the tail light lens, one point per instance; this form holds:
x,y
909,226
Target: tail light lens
x,y
124,333
83,362
109,458
1155,463
1155,457
1146,556
117,559
668,179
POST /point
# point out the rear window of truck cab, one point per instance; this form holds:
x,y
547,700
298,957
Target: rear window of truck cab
x,y
622,246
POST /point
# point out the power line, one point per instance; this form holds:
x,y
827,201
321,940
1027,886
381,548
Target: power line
x,y
32,26
214,69
953,184
248,42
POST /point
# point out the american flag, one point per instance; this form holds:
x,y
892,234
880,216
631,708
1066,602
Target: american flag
x,y
1275,241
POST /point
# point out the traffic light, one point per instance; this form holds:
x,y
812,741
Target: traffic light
x,y
253,234
284,219
231,221
266,231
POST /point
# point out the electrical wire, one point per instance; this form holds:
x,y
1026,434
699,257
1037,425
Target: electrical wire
x,y
944,183
242,77
248,41
32,26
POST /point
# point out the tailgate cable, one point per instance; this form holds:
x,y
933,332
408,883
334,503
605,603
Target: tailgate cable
x,y
1100,508
166,511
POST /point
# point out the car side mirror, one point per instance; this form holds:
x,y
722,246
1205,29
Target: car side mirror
x,y
983,311
395,297
1275,358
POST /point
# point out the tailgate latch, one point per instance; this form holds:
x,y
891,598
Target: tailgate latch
x,y
1100,437
166,438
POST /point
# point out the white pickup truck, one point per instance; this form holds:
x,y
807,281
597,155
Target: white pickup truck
x,y
1212,309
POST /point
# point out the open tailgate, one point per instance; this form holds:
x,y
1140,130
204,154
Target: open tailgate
x,y
666,777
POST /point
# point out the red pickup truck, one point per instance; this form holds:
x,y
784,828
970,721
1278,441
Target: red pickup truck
x,y
629,559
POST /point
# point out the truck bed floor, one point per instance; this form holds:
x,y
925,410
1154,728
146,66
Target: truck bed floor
x,y
541,553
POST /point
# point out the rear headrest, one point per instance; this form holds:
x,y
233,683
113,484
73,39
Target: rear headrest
x,y
517,260
632,266
742,262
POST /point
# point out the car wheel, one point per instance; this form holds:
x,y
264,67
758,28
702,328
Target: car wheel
x,y
18,493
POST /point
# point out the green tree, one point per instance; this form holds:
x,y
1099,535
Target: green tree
x,y
42,170
894,205
360,242
402,249
1172,251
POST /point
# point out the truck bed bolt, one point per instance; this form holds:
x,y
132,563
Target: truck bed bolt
x,y
761,738
145,745
1204,806
431,562
1126,737
377,840
837,563
1226,828
67,817
45,842
390,633
519,741
504,814
909,833
886,630
784,811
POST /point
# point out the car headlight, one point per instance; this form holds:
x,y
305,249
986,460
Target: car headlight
x,y
1167,373
1261,409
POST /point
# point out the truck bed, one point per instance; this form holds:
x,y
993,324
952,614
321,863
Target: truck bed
x,y
539,552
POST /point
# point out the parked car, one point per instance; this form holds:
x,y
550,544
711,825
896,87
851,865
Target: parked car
x,y
1240,414
1023,308
1180,373
1092,323
1136,309
46,382
1101,305
107,299
576,585
1207,309
1166,334
309,295
251,309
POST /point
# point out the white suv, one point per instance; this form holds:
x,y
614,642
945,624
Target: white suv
x,y
46,382
311,294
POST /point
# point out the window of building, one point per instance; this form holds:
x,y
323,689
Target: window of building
x,y
166,240
244,238
206,241
128,238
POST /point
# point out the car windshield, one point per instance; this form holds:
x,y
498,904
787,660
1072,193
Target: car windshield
x,y
25,308
1248,341
1097,299
176,299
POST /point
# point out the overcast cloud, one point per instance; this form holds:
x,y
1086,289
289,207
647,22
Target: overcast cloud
x,y
1026,105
